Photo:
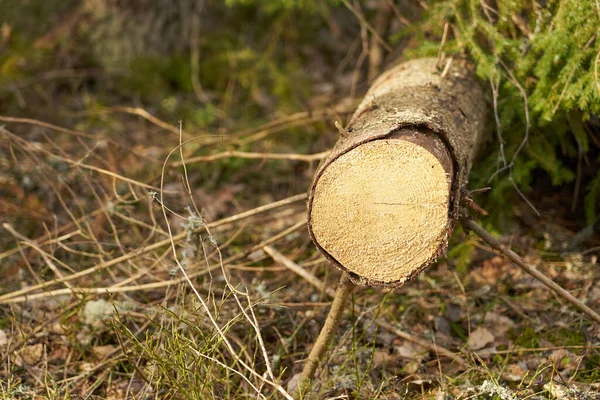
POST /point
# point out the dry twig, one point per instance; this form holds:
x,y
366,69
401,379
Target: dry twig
x,y
120,288
234,291
157,245
340,297
471,225
342,294
255,156
295,268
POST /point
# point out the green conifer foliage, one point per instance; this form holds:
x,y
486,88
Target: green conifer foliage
x,y
543,58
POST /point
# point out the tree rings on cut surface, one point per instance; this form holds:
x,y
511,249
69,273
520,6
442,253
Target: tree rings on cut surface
x,y
381,209
383,204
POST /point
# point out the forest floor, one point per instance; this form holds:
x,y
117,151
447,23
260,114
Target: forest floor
x,y
139,259
93,304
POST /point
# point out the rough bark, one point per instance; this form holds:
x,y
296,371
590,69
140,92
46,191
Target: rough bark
x,y
383,204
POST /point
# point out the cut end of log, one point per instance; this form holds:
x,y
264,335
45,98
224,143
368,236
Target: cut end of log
x,y
383,203
380,210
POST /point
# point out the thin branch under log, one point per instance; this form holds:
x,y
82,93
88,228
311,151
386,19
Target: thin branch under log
x,y
320,285
254,156
342,294
21,294
471,225
298,270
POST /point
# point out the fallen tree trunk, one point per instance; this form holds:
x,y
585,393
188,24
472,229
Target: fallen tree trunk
x,y
383,204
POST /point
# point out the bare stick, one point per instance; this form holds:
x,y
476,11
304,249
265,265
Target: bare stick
x,y
256,156
471,225
295,268
316,282
139,252
423,343
119,288
333,318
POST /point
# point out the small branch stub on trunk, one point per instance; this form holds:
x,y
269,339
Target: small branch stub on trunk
x,y
384,203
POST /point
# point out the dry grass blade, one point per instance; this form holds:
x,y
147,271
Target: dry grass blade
x,y
195,218
47,257
295,268
255,156
300,117
77,163
119,288
41,242
157,245
141,113
42,124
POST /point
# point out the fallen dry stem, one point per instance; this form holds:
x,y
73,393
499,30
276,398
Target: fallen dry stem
x,y
342,294
47,257
119,288
166,242
46,239
253,322
73,163
298,270
140,112
57,128
316,282
471,225
423,343
267,132
303,115
255,156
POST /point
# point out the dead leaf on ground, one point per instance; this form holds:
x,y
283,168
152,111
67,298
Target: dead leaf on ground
x,y
498,324
480,338
103,351
215,205
496,271
412,352
3,338
96,311
381,357
454,312
60,352
562,359
513,373
56,328
442,325
29,355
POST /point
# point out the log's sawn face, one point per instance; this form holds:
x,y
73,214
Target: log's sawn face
x,y
384,203
382,208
